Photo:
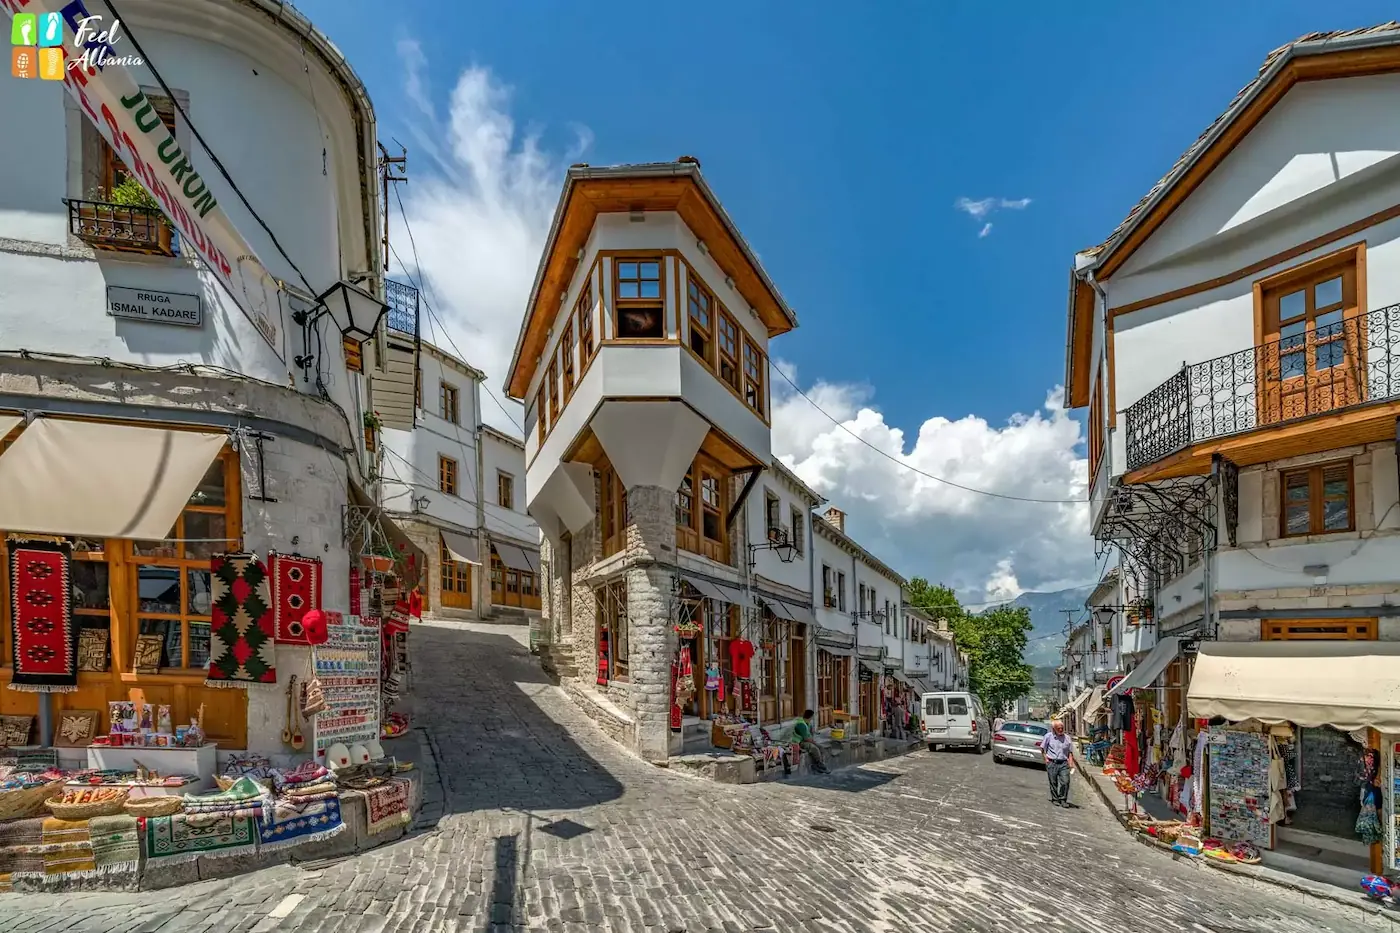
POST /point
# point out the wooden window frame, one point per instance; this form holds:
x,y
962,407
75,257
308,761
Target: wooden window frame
x,y
1097,440
757,381
729,326
1316,475
541,426
658,303
696,294
613,515
841,591
1346,383
772,516
799,531
447,475
505,490
553,390
587,333
828,587
449,402
1359,629
566,352
693,538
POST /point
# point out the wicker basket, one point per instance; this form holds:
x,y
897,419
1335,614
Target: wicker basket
x,y
86,811
24,802
154,806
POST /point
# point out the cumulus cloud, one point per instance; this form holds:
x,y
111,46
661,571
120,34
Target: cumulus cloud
x,y
986,548
479,204
980,209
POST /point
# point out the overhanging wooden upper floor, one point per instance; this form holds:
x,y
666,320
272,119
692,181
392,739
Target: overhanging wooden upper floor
x,y
664,186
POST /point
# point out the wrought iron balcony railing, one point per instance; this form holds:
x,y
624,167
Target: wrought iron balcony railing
x,y
1326,367
403,307
122,227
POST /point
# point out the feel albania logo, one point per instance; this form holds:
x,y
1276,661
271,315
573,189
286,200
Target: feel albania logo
x,y
39,50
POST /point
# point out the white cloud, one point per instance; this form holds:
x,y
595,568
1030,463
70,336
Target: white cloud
x,y
986,548
479,205
981,208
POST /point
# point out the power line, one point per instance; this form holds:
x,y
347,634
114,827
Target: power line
x,y
938,479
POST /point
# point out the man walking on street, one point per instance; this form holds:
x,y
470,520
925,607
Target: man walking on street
x,y
1058,749
802,731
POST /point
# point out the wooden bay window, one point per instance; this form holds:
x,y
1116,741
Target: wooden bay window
x,y
754,377
612,510
1318,500
566,350
584,312
700,317
702,503
729,351
553,391
637,294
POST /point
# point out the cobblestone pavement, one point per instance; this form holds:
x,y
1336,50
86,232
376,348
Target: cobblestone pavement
x,y
542,824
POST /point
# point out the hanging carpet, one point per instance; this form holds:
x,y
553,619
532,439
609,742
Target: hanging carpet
x,y
185,837
116,845
294,823
44,639
386,806
242,650
296,590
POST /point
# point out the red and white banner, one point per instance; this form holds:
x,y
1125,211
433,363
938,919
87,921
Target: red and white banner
x,y
97,75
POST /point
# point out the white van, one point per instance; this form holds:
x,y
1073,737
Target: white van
x,y
956,719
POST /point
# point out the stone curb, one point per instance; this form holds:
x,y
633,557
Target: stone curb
x,y
1250,872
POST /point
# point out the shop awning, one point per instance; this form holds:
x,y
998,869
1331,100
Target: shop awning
x,y
834,650
899,676
97,480
513,557
1146,673
800,613
1348,685
872,668
712,590
777,607
1095,704
869,651
460,547
831,639
1079,700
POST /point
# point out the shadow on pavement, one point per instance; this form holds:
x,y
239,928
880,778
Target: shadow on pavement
x,y
491,713
853,780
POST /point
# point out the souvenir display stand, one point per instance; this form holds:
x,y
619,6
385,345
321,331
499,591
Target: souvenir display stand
x,y
1239,786
1391,818
199,762
348,667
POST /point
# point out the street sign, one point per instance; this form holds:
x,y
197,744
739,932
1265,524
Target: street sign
x,y
157,307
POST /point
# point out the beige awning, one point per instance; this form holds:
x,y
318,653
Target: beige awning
x,y
460,547
99,480
1091,709
1146,673
1073,705
8,423
513,557
1348,685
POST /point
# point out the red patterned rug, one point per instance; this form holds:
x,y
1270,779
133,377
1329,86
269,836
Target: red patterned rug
x,y
242,650
296,590
44,646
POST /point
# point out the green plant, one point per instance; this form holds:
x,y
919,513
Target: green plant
x,y
130,193
372,421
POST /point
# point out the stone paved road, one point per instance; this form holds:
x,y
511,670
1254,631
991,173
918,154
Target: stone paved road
x,y
542,824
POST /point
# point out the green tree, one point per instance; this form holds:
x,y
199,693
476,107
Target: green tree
x,y
995,642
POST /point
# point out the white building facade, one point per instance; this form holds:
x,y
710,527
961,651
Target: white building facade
x,y
180,417
451,483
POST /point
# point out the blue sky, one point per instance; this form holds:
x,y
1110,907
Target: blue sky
x,y
841,144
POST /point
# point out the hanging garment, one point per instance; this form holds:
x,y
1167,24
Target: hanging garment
x,y
712,681
1176,749
603,659
1368,821
1288,751
1198,771
740,654
1132,754
1278,809
676,713
1122,718
685,678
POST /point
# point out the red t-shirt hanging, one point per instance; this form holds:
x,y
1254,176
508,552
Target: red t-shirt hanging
x,y
740,653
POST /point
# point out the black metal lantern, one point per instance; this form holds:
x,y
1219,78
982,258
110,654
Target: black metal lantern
x,y
355,311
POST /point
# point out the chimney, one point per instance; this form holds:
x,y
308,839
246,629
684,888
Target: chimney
x,y
837,518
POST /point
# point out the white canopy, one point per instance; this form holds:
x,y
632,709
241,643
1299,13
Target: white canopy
x,y
1146,673
460,547
1348,685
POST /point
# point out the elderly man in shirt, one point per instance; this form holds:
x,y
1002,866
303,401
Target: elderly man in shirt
x,y
1058,749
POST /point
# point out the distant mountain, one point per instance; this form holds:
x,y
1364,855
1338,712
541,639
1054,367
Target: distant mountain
x,y
1048,621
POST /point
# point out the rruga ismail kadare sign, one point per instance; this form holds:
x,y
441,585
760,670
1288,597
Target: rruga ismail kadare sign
x,y
97,76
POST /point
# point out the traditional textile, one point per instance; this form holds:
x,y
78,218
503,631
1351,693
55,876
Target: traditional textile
x,y
242,650
185,837
295,824
354,592
296,590
394,656
67,847
244,798
386,806
21,846
44,638
116,845
308,772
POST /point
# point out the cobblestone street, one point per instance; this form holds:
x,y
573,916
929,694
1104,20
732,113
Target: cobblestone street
x,y
542,824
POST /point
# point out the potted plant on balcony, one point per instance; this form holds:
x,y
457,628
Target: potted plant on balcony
x,y
1139,611
133,231
372,426
380,559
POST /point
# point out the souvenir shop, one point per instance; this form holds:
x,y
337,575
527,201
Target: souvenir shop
x,y
897,699
1299,752
147,649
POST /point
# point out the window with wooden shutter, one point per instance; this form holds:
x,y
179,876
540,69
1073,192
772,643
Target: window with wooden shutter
x,y
1318,500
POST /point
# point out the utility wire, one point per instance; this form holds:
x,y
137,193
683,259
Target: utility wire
x,y
131,35
893,459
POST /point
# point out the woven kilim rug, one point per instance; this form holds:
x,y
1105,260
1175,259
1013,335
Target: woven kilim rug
x,y
294,824
44,642
116,844
242,650
67,847
185,837
386,806
21,846
296,590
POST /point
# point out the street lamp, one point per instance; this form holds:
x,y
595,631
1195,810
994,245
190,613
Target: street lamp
x,y
355,311
780,542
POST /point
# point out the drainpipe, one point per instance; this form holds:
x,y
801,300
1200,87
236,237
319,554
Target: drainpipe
x,y
483,545
816,625
745,558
